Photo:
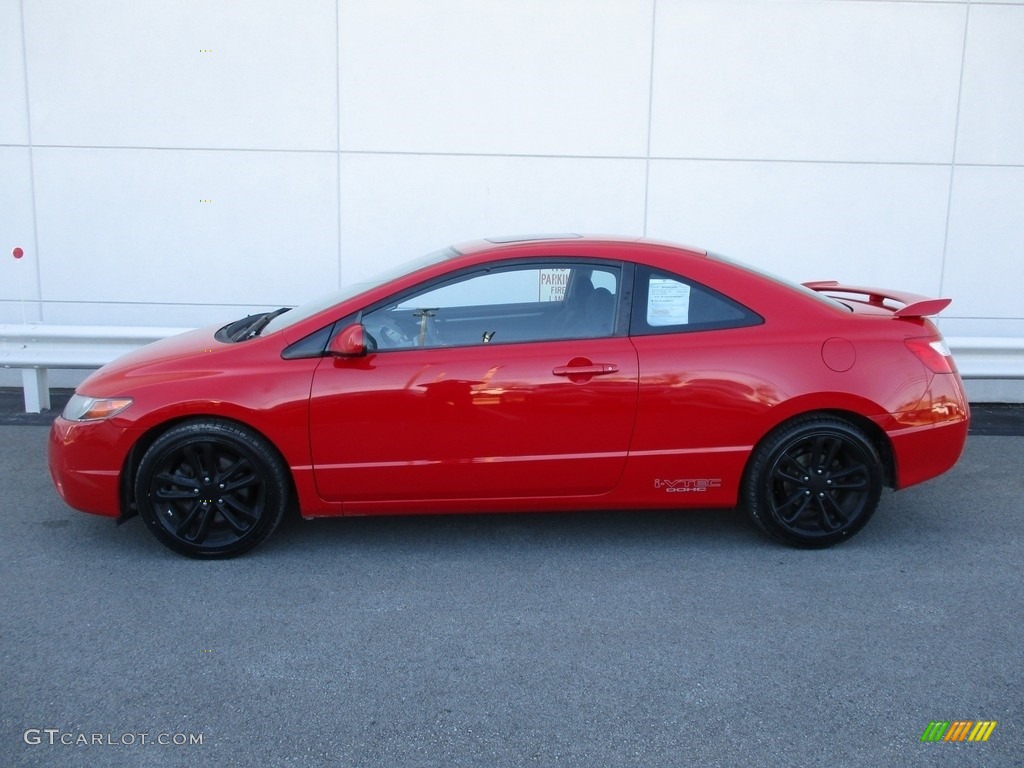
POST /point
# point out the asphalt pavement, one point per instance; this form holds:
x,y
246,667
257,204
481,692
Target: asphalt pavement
x,y
625,639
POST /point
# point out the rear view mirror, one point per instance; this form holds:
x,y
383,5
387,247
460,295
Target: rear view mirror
x,y
350,342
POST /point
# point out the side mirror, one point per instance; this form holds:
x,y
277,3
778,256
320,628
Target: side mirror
x,y
351,342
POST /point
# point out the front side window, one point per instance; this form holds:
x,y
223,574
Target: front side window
x,y
668,303
541,301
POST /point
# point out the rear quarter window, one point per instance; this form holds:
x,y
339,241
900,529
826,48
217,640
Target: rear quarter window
x,y
668,303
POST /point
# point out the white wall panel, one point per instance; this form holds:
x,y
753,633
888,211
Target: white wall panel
x,y
992,105
18,280
985,258
134,226
861,81
192,73
813,137
395,207
524,77
13,114
149,314
861,224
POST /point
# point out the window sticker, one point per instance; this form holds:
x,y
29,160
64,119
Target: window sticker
x,y
668,302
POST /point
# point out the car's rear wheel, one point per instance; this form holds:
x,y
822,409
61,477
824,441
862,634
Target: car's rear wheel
x,y
211,489
814,482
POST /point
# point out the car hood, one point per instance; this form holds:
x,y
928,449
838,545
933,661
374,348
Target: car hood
x,y
186,355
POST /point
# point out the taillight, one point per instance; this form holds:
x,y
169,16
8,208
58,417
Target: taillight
x,y
933,352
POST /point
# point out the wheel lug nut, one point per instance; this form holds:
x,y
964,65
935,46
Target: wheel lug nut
x,y
821,495
807,493
221,486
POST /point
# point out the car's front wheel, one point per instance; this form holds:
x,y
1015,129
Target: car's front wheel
x,y
211,488
814,481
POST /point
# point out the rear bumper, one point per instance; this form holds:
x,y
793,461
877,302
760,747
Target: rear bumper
x,y
926,452
931,439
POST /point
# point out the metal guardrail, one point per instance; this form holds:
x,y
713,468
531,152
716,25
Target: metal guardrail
x,y
988,357
37,348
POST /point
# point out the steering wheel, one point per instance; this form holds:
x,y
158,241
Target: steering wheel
x,y
388,335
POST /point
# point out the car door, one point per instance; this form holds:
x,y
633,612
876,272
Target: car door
x,y
510,381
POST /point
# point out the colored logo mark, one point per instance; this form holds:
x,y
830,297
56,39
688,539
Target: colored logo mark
x,y
958,730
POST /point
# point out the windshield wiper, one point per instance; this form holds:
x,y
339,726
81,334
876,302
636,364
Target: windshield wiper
x,y
248,327
256,328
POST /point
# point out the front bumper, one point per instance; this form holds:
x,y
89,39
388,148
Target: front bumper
x,y
85,461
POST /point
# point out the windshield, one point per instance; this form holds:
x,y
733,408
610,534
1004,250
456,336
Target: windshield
x,y
325,302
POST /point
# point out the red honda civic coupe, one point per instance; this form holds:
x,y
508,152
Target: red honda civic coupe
x,y
525,374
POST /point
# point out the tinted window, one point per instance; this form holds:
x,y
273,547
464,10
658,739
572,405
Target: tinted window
x,y
668,303
536,302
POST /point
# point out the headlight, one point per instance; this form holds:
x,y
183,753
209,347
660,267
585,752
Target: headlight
x,y
82,408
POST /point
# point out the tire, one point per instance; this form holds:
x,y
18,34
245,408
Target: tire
x,y
211,489
813,482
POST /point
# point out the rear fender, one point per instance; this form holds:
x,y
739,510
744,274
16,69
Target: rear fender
x,y
868,416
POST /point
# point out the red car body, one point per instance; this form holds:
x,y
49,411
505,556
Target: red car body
x,y
626,420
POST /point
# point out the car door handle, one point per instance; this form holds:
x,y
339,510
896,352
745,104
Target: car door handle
x,y
597,369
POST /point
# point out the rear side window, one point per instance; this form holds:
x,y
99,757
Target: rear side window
x,y
668,303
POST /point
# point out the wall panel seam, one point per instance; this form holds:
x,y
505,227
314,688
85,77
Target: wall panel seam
x,y
31,170
953,163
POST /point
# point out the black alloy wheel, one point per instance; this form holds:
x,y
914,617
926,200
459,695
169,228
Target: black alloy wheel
x,y
211,489
814,481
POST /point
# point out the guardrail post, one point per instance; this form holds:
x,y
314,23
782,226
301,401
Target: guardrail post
x,y
37,391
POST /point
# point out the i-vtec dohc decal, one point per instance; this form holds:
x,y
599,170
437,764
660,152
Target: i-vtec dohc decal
x,y
688,485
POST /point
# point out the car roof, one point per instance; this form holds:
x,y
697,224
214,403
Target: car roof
x,y
572,241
